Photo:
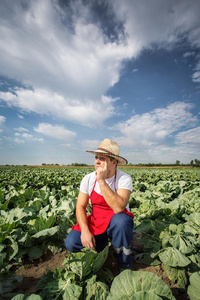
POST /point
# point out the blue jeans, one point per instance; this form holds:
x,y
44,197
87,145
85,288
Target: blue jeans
x,y
120,231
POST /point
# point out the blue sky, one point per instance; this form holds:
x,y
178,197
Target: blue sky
x,y
75,72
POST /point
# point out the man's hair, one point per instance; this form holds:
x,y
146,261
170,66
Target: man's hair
x,y
112,158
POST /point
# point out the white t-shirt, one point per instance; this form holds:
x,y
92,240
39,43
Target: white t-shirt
x,y
123,181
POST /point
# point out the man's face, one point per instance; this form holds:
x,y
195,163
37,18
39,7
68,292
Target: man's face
x,y
102,159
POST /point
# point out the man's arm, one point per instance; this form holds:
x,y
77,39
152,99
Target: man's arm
x,y
116,200
87,239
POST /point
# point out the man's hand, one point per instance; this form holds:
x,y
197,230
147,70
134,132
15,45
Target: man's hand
x,y
102,173
88,240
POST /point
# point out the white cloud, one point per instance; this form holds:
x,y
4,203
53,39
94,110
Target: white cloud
x,y
2,120
38,140
189,137
20,116
196,75
55,131
43,52
66,145
90,144
159,23
162,135
170,154
161,153
21,129
153,128
27,136
18,141
187,54
70,66
45,102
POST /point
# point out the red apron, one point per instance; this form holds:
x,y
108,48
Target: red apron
x,y
101,214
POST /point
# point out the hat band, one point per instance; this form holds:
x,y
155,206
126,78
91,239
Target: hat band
x,y
115,155
108,152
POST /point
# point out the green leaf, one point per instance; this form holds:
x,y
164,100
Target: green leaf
x,y
5,229
39,224
105,275
176,276
16,215
174,258
24,297
195,218
48,285
194,287
193,223
59,284
146,259
128,283
69,290
8,283
100,259
96,289
35,205
182,244
34,297
73,292
195,263
19,235
2,259
80,263
145,296
87,261
2,247
12,248
67,206
46,232
35,252
28,193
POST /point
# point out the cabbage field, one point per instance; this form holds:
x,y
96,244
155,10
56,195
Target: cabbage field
x,y
37,210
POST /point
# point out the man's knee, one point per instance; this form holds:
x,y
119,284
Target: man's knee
x,y
121,220
72,242
69,244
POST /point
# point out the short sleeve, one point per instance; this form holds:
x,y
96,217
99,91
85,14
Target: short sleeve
x,y
87,183
84,186
125,182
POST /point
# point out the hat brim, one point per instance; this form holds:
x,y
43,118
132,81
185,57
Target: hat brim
x,y
121,160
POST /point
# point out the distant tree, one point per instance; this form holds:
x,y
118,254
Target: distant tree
x,y
79,165
192,162
178,162
197,162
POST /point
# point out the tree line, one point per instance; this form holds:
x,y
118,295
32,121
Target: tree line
x,y
193,163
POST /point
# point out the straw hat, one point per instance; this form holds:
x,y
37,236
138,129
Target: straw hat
x,y
110,148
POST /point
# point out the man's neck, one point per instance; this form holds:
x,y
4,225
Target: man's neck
x,y
111,173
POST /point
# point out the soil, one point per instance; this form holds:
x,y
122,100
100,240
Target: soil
x,y
33,271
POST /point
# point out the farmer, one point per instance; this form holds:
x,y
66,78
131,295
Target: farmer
x,y
109,190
